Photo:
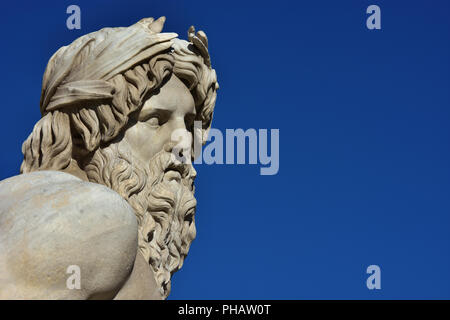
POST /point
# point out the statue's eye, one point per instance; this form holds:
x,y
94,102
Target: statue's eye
x,y
153,121
154,118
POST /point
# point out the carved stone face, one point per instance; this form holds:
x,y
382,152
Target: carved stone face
x,y
142,168
170,110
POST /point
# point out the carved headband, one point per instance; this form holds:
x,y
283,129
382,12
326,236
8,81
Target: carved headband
x,y
80,72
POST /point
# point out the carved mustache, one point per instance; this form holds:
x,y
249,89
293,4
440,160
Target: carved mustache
x,y
166,161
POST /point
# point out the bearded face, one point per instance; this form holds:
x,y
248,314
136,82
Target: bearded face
x,y
161,193
109,116
142,167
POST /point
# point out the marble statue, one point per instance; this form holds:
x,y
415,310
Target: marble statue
x,y
101,190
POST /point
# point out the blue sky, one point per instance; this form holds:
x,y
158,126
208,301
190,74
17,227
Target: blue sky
x,y
364,140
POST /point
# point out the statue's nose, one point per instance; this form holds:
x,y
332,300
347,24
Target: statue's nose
x,y
180,143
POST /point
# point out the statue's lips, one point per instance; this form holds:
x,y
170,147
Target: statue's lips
x,y
180,173
177,169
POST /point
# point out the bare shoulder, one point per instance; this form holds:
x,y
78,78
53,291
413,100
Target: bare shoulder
x,y
50,221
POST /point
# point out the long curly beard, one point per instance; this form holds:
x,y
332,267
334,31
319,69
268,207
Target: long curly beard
x,y
162,196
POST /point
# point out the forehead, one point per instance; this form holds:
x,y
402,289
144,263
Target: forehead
x,y
172,96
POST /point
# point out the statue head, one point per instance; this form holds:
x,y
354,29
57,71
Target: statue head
x,y
110,103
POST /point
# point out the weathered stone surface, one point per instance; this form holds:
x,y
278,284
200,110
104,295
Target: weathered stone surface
x,y
50,220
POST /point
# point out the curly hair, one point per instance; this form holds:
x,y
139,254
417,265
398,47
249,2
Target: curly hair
x,y
72,134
